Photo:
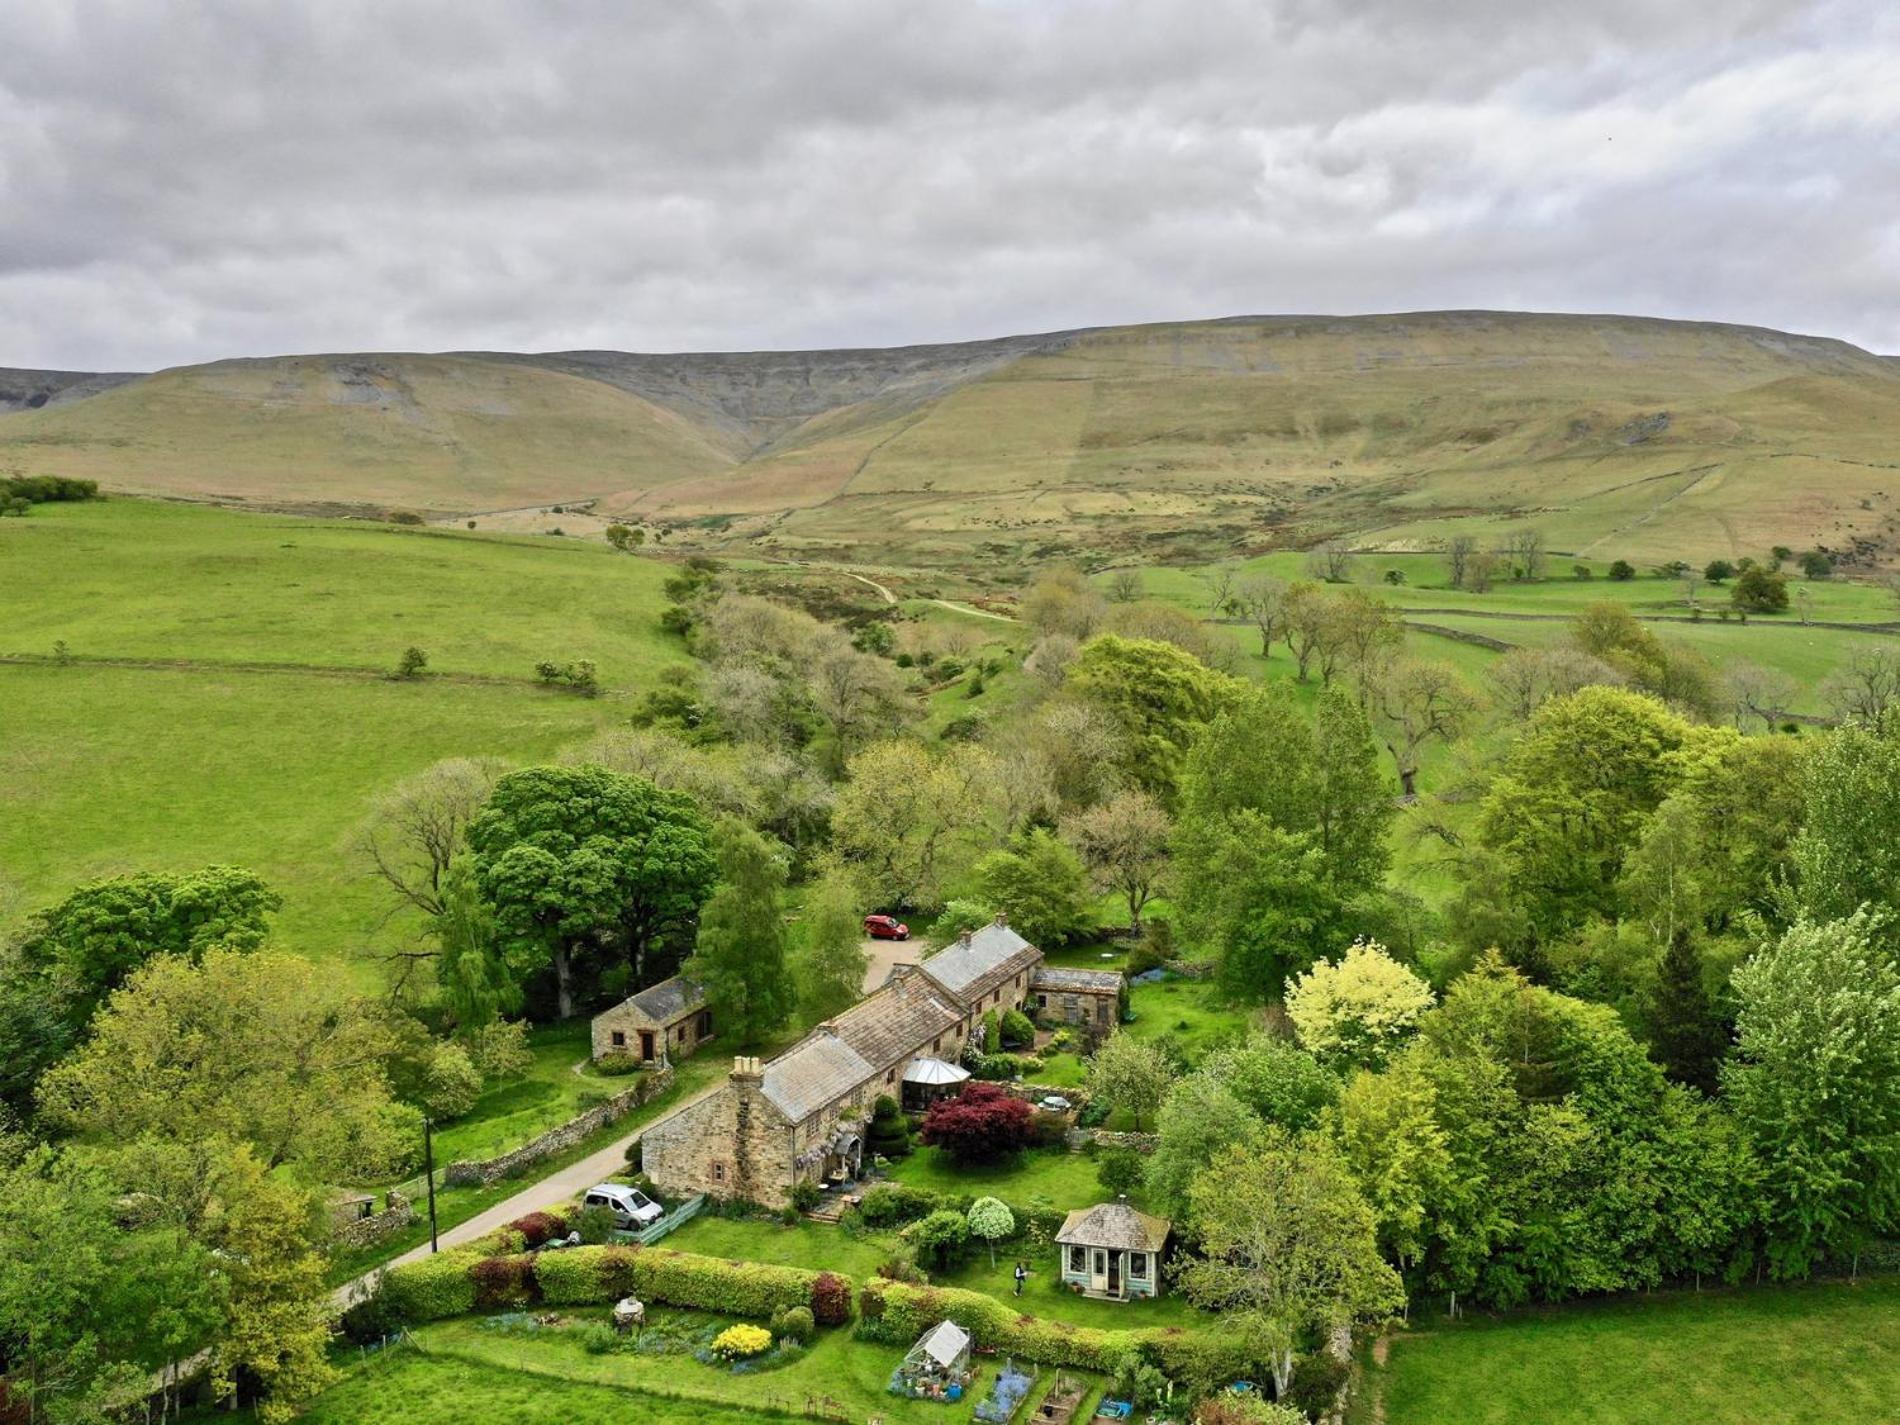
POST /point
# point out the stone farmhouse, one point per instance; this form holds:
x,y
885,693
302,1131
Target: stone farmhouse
x,y
663,1022
1090,1000
800,1117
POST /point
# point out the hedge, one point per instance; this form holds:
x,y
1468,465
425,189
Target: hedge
x,y
456,1283
897,1312
892,1204
431,1287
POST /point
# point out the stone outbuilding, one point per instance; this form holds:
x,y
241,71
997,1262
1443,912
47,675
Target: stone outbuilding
x,y
1090,1000
1110,1250
661,1023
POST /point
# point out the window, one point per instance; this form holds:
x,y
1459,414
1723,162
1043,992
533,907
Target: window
x,y
1138,1264
936,1044
1078,1259
1101,1262
890,1075
719,1172
1042,1001
620,1039
1101,1013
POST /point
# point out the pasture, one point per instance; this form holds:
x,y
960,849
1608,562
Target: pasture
x,y
1766,1356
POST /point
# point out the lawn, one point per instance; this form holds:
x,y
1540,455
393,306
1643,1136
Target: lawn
x,y
1044,1295
1826,1354
1044,1178
547,1095
816,1246
1189,1012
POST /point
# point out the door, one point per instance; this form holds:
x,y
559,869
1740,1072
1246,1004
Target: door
x,y
1114,1273
1100,1274
646,1043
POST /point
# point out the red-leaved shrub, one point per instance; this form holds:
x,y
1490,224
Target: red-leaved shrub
x,y
830,1300
539,1227
979,1125
503,1281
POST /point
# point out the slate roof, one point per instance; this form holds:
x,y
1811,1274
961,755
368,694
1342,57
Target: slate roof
x,y
668,1000
1114,1224
1052,977
971,968
896,1021
812,1073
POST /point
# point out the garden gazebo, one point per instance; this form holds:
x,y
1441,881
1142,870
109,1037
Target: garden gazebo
x,y
927,1080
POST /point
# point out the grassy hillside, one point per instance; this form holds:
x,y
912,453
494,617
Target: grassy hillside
x,y
1618,436
428,432
223,692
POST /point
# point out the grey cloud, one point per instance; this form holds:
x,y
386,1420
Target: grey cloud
x,y
186,181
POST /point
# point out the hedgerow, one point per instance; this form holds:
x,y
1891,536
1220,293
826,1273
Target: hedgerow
x,y
431,1288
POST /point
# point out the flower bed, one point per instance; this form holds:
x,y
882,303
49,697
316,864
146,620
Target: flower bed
x,y
1006,1396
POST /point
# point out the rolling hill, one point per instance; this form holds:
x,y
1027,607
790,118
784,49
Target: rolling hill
x,y
1618,436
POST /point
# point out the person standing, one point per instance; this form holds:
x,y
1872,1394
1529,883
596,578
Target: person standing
x,y
1022,1275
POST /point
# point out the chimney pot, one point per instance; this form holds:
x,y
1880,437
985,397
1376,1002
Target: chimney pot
x,y
963,937
1002,917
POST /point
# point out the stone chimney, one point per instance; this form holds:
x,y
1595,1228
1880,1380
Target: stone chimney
x,y
963,937
747,1070
1002,918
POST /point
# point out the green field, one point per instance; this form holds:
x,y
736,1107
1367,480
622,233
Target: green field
x,y
222,695
1806,1355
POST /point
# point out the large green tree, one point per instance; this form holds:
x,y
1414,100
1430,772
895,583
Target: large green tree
x,y
263,1049
1199,1119
1042,886
1132,1074
592,874
829,962
740,957
70,956
1158,695
1815,1083
1288,1240
1848,851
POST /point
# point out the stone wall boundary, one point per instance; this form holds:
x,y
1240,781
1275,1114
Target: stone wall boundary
x,y
486,1171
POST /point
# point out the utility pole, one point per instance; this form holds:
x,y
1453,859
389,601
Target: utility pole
x,y
428,1176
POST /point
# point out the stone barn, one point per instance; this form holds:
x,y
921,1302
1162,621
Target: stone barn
x,y
663,1022
1088,999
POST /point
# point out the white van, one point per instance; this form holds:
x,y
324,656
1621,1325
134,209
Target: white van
x,y
632,1209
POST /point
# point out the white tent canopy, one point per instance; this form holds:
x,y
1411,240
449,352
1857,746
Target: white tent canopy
x,y
934,1073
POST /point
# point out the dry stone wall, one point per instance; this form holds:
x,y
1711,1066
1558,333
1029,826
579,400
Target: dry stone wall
x,y
558,1140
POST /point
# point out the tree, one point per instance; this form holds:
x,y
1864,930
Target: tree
x,y
1525,549
1760,591
1684,1028
1131,1074
1414,704
1124,586
1524,679
1062,601
412,662
1275,1078
1263,599
1352,807
1622,571
1815,1084
90,1308
1042,885
1479,570
979,1125
1572,799
1718,570
831,962
1360,1010
625,538
1156,695
860,696
1363,632
1865,686
1816,565
740,954
257,1048
1458,551
582,864
910,820
1305,611
889,1133
1124,844
1119,1170
70,956
1199,1120
1758,694
1848,851
416,828
1289,1241
1330,561
940,1237
991,1220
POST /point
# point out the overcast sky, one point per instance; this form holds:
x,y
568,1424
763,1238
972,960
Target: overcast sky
x,y
186,180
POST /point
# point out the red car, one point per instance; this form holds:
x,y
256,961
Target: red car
x,y
886,927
